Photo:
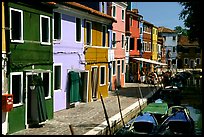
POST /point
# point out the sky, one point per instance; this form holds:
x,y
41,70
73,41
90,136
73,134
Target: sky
x,y
160,13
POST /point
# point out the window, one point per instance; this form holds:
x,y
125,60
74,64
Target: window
x,y
186,61
45,30
123,66
174,49
102,75
174,38
104,36
197,61
141,30
114,11
123,15
16,25
46,83
57,25
139,44
130,20
78,29
88,33
114,39
132,41
127,44
164,37
123,40
16,87
57,77
114,67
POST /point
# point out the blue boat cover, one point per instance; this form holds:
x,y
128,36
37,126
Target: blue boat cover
x,y
146,117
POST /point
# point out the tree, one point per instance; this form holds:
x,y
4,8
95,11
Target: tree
x,y
181,31
191,15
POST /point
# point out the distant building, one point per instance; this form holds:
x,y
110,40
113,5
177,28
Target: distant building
x,y
189,54
170,43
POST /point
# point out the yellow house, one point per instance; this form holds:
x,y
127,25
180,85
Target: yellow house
x,y
96,41
154,44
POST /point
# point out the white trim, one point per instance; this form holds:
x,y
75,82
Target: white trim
x,y
76,30
21,75
123,41
21,13
53,32
90,32
60,89
93,66
123,66
103,66
45,43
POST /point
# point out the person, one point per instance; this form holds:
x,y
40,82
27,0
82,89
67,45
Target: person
x,y
142,76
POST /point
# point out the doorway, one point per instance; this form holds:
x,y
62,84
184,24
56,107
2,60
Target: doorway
x,y
94,82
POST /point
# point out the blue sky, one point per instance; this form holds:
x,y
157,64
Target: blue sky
x,y
160,13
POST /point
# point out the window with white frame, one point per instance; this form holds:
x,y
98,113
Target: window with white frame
x,y
16,87
88,33
57,26
102,75
45,30
114,11
16,25
186,61
78,29
123,15
104,36
123,40
57,77
114,39
123,64
46,83
114,67
174,38
197,61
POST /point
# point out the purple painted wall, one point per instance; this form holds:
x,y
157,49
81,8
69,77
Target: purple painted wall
x,y
65,53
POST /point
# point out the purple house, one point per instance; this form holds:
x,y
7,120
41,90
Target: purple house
x,y
69,75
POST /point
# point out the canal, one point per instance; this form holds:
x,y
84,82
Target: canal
x,y
191,97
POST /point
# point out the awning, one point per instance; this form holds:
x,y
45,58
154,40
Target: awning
x,y
150,61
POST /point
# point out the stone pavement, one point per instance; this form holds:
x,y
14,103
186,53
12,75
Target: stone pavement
x,y
85,116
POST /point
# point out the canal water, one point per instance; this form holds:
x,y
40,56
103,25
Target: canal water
x,y
192,99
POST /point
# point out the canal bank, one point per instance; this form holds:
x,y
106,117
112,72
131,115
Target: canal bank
x,y
85,117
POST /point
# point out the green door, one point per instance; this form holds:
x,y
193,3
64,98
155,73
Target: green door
x,y
74,87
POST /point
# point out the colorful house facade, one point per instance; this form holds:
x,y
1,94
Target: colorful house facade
x,y
30,63
170,43
68,57
133,20
118,44
147,45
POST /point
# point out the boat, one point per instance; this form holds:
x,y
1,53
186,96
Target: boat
x,y
159,109
143,123
179,122
171,95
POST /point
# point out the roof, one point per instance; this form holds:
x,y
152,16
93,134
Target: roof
x,y
148,23
90,10
164,29
134,13
183,40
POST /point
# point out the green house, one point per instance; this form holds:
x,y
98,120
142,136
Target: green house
x,y
30,63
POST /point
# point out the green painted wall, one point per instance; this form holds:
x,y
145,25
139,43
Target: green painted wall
x,y
31,52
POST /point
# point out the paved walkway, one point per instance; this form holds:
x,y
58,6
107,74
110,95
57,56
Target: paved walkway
x,y
86,116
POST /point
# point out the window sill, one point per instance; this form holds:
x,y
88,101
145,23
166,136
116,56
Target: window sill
x,y
45,43
17,41
17,105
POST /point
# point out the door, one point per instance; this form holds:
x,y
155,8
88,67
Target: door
x,y
118,77
84,89
28,99
94,82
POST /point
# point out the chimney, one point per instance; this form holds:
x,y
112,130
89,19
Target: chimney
x,y
135,10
